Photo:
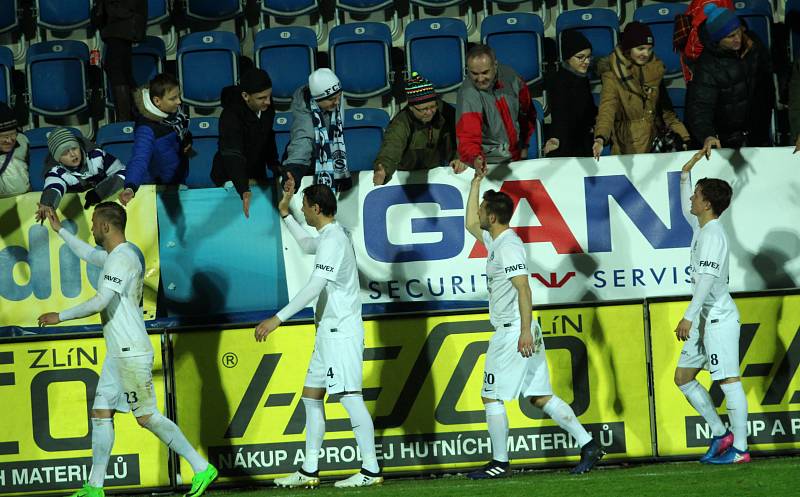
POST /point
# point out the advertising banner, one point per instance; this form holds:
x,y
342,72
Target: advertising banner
x,y
48,390
422,382
604,230
769,351
39,273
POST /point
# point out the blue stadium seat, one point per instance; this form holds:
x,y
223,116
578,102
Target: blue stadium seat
x,y
600,26
365,7
288,55
208,61
757,15
678,98
283,132
793,8
37,150
6,68
363,134
157,11
63,15
360,57
57,80
9,19
214,10
117,139
148,59
517,42
660,17
436,48
205,140
289,8
535,143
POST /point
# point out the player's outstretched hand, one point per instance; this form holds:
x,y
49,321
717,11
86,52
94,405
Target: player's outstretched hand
x,y
266,327
695,158
288,193
52,217
48,318
683,329
526,346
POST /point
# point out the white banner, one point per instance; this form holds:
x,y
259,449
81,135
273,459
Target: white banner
x,y
604,230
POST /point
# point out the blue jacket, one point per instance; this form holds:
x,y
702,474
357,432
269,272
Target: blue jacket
x,y
157,156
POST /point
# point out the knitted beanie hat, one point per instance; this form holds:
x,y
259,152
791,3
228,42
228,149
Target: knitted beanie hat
x,y
720,22
419,90
572,42
255,81
59,141
323,83
636,34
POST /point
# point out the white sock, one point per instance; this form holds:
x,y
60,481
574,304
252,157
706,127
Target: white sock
x,y
699,398
497,422
736,401
363,429
560,412
169,433
102,442
315,433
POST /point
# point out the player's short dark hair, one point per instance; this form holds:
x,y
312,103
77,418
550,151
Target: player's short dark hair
x,y
718,193
161,84
322,196
479,50
499,204
113,214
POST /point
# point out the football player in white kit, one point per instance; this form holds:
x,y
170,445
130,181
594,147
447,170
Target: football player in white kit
x,y
336,363
515,361
126,381
710,325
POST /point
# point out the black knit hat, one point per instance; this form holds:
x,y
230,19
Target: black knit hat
x,y
8,121
572,42
255,81
636,34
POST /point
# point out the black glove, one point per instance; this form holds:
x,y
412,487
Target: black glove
x,y
92,198
297,171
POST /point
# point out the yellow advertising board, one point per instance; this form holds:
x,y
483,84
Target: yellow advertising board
x,y
48,389
769,351
422,381
39,273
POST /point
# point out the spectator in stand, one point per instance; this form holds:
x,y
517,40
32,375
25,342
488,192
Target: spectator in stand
x,y
13,156
246,140
494,114
77,165
317,138
686,39
161,138
421,136
572,108
122,23
635,109
730,98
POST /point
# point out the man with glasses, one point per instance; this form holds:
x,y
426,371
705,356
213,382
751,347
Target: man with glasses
x,y
13,156
421,136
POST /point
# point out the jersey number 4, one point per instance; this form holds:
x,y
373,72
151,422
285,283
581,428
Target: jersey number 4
x,y
330,373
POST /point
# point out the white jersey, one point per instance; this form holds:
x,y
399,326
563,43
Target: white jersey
x,y
506,259
338,311
710,255
123,325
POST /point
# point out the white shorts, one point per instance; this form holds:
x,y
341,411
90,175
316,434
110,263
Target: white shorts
x,y
336,364
126,384
507,374
713,346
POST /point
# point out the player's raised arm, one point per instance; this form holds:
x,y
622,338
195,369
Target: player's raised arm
x,y
473,223
308,243
686,187
83,250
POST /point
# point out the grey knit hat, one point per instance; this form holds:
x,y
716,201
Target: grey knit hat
x,y
59,141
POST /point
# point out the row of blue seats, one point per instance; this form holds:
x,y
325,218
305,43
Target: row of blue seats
x,y
359,54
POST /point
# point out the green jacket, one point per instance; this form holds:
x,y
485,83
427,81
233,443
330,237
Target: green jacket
x,y
409,145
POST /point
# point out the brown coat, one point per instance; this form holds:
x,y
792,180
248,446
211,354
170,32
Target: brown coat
x,y
628,113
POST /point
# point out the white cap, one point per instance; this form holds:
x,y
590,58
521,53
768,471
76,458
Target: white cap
x,y
323,84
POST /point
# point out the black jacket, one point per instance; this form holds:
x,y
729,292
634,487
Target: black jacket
x,y
123,19
573,114
731,95
246,143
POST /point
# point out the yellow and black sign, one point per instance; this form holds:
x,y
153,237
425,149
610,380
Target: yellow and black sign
x,y
769,352
48,389
422,380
